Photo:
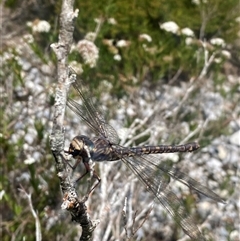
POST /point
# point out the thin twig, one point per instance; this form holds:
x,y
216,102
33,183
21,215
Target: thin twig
x,y
175,77
124,215
97,29
34,213
195,84
207,61
135,126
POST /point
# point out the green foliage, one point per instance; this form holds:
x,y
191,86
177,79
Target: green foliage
x,y
169,51
11,3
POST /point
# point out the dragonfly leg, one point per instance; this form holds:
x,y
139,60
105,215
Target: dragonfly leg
x,y
78,179
78,160
93,174
88,169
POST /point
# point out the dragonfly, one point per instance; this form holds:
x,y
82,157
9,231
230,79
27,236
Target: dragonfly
x,y
154,174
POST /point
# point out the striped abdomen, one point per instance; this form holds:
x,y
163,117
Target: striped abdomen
x,y
143,150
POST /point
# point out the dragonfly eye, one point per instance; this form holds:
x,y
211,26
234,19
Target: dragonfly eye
x,y
76,147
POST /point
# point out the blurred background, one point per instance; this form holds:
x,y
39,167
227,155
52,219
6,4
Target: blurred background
x,y
163,72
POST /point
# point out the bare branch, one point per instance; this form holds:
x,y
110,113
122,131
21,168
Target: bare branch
x,y
71,202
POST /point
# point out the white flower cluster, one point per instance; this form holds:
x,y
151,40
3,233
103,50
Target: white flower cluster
x,y
117,57
197,2
174,28
226,54
90,36
188,32
122,43
237,19
170,27
88,51
112,21
28,38
39,26
146,37
218,42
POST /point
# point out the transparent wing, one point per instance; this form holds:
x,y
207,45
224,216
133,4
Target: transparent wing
x,y
156,181
86,109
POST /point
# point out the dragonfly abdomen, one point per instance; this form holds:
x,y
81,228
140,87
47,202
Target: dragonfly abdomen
x,y
165,149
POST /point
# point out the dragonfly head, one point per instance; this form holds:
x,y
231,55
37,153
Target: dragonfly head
x,y
78,146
